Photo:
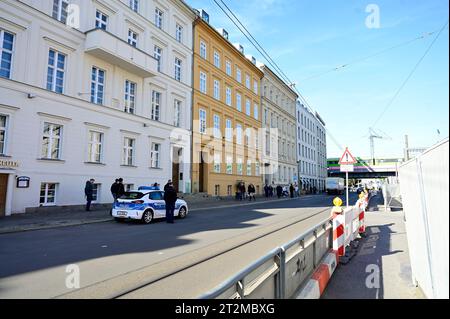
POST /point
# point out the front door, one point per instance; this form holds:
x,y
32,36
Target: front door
x,y
176,169
3,188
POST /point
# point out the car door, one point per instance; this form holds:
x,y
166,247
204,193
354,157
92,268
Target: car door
x,y
158,204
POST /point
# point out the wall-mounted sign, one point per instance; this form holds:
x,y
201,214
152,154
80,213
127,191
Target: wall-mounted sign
x,y
23,182
8,164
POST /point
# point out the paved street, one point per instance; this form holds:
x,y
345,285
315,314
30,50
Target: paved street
x,y
33,263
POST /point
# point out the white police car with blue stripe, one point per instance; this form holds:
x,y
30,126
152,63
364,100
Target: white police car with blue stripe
x,y
145,204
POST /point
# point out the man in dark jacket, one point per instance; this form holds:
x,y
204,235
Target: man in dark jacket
x,y
170,197
89,193
115,190
291,190
279,191
120,188
251,192
169,182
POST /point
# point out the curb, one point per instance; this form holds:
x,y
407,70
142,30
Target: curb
x,y
30,227
316,285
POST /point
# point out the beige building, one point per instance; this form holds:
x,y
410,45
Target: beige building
x,y
226,114
279,119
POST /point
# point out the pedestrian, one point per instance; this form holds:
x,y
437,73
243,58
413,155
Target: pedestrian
x,y
279,191
296,190
291,190
168,184
170,198
115,190
315,190
251,192
120,188
89,193
266,190
270,191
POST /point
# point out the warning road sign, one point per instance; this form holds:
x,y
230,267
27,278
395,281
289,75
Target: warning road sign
x,y
347,158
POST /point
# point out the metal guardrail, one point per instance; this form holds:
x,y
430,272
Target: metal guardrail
x,y
282,271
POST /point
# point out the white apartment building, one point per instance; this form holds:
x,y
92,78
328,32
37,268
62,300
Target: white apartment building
x,y
312,149
92,89
279,120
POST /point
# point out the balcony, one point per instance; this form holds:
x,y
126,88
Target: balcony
x,y
114,50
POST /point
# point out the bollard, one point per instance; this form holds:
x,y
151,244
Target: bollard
x,y
338,227
361,206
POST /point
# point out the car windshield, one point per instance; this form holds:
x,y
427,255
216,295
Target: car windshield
x,y
132,195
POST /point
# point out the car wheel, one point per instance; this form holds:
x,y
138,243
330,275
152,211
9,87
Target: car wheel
x,y
182,213
147,217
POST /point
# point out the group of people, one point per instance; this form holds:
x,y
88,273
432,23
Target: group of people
x,y
118,189
280,191
242,192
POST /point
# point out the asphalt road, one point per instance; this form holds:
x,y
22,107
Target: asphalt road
x,y
119,255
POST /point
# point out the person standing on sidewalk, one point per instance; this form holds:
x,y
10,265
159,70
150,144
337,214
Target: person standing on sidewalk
x,y
115,190
167,185
120,188
291,190
251,192
170,197
279,191
89,193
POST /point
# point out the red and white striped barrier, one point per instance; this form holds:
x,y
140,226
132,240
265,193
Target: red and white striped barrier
x,y
339,233
316,285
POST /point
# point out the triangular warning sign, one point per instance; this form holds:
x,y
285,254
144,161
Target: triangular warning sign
x,y
347,158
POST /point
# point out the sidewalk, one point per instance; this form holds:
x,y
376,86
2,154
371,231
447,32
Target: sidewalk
x,y
385,249
64,217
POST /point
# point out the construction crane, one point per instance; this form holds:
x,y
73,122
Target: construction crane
x,y
372,136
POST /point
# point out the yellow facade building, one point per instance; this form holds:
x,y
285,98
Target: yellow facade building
x,y
227,146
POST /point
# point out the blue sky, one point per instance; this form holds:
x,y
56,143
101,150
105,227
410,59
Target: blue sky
x,y
307,37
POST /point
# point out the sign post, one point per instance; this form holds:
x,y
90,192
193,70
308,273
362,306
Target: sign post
x,y
347,161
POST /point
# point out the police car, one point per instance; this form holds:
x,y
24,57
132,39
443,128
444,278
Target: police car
x,y
145,204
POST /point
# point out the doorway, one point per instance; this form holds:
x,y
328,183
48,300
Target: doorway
x,y
176,156
3,189
202,173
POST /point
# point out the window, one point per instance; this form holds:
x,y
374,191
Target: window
x,y
6,53
177,113
216,59
60,10
177,69
156,104
228,96
3,133
155,155
238,75
132,38
134,5
217,162
159,18
51,141
128,151
101,20
202,121
216,190
257,140
217,132
239,166
247,136
203,50
216,89
257,169
247,81
228,130
95,149
157,53
247,107
256,111
202,82
255,87
179,33
238,102
229,164
130,96
55,71
228,67
249,168
47,194
96,192
239,134
97,85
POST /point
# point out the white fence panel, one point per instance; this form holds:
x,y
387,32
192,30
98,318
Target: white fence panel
x,y
424,189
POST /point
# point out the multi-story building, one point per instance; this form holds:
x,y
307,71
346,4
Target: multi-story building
x,y
279,121
95,89
226,113
312,150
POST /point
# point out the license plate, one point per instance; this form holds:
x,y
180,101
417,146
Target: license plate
x,y
122,213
